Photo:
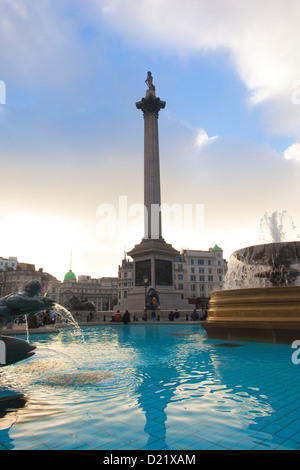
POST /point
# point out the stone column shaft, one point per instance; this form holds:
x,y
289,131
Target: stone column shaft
x,y
152,196
151,105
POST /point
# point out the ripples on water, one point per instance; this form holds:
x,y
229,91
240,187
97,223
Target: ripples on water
x,y
127,367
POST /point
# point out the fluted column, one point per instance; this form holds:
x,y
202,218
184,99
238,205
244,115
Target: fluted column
x,y
151,105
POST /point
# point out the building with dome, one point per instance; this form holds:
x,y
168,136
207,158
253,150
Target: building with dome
x,y
102,292
70,276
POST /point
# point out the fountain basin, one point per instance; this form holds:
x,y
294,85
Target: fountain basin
x,y
270,314
261,298
266,265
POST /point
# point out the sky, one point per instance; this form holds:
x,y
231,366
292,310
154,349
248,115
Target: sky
x,y
71,151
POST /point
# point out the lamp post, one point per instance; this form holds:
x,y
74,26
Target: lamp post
x,y
145,280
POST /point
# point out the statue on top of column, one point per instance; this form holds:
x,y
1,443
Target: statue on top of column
x,y
149,81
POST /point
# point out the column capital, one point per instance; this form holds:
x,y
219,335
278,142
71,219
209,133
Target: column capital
x,y
150,104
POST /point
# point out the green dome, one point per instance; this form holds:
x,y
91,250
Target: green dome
x,y
70,276
217,248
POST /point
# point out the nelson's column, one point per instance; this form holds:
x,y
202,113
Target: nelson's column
x,y
153,257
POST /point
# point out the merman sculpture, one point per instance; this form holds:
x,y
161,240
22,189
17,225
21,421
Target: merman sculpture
x,y
12,306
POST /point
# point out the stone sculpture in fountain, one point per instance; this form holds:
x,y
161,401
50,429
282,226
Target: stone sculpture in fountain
x,y
12,306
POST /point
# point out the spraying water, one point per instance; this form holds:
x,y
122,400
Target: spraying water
x,y
274,263
278,227
65,314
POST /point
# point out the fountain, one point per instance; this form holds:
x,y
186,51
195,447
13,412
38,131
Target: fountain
x,y
30,302
260,300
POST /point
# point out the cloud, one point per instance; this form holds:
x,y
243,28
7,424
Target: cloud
x,y
261,37
292,152
202,138
39,42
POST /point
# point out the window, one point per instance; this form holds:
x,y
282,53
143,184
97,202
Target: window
x,y
180,276
201,270
125,294
210,278
179,266
209,262
201,262
192,270
193,287
192,261
180,286
202,278
193,278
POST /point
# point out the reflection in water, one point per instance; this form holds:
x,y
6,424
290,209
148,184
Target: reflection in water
x,y
10,404
20,409
149,377
183,380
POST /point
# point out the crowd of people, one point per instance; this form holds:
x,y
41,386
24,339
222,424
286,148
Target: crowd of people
x,y
50,317
194,316
173,316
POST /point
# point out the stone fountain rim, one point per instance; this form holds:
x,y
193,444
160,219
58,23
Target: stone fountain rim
x,y
261,245
257,290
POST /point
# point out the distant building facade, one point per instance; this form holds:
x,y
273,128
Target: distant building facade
x,y
102,292
8,263
197,272
16,280
125,279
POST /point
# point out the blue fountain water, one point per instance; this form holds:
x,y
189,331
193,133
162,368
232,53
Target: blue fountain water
x,y
151,387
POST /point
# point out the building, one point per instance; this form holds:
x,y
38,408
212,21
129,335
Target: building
x,y
125,279
16,280
197,273
101,292
8,263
